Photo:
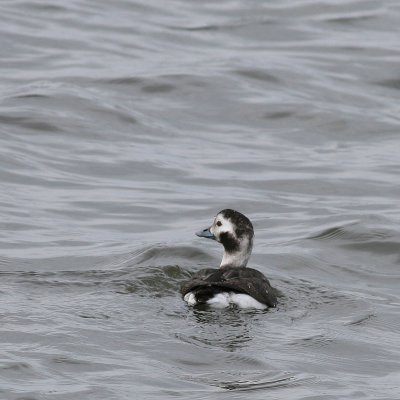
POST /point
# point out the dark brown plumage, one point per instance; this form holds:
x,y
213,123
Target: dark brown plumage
x,y
235,232
210,281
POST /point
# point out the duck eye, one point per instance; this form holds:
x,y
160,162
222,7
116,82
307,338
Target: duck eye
x,y
219,223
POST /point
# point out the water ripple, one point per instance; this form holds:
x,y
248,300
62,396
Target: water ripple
x,y
127,125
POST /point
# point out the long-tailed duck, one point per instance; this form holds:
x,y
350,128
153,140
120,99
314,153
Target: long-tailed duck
x,y
232,282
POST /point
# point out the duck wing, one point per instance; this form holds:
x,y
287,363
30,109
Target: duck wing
x,y
240,280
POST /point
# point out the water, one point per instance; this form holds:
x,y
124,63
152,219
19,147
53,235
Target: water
x,y
125,126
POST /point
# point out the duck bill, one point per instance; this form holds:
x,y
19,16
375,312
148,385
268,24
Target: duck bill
x,y
206,233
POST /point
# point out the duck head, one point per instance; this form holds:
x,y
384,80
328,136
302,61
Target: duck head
x,y
235,232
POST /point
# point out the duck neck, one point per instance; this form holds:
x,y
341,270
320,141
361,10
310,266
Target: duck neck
x,y
237,258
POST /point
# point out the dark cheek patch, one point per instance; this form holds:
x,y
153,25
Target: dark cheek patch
x,y
229,242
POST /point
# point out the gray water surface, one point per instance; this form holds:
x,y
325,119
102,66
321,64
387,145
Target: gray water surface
x,y
125,126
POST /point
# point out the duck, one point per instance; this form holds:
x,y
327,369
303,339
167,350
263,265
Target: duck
x,y
233,284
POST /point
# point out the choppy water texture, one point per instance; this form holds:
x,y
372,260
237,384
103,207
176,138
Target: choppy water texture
x,y
127,125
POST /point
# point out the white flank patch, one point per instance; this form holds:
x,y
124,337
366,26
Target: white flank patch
x,y
190,298
245,301
220,300
224,299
